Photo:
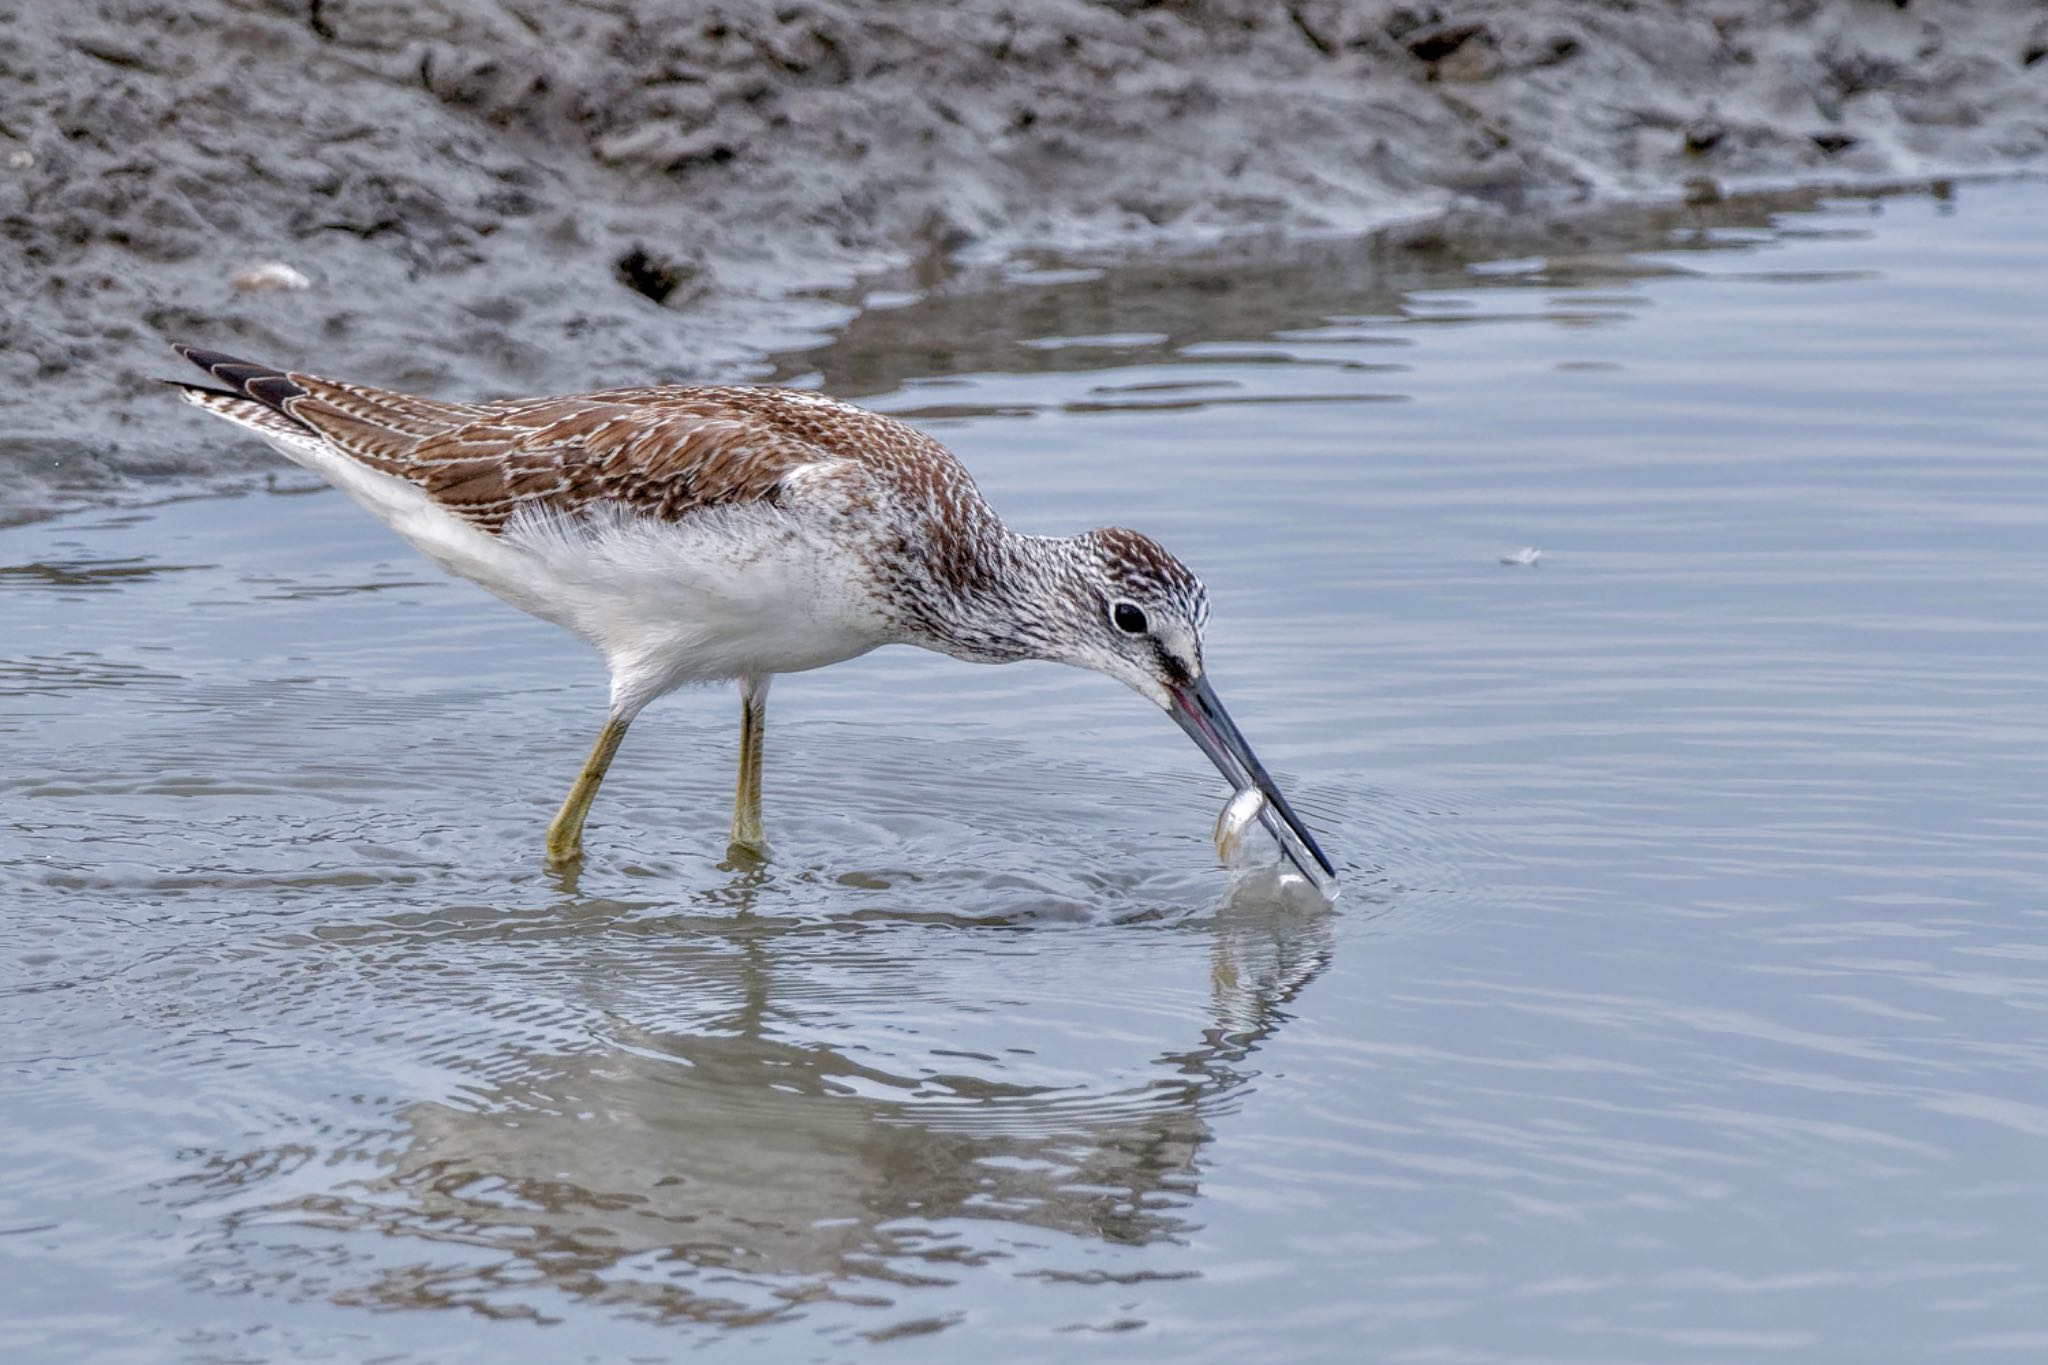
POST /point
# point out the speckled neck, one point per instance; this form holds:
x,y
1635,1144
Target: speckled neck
x,y
1020,599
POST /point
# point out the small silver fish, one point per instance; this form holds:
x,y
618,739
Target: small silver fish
x,y
1260,862
1239,816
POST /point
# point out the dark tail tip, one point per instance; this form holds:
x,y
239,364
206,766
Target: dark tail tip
x,y
260,382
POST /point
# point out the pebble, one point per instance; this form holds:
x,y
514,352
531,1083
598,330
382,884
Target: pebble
x,y
270,277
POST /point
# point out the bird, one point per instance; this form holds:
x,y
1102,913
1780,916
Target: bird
x,y
705,533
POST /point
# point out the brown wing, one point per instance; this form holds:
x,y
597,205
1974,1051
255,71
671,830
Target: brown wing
x,y
660,452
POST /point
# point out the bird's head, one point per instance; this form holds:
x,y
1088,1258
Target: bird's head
x,y
1141,616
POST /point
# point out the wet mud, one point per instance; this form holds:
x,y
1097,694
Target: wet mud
x,y
486,196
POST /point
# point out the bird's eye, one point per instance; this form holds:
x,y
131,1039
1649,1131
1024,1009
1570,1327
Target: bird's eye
x,y
1129,619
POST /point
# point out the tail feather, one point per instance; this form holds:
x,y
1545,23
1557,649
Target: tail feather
x,y
378,426
270,387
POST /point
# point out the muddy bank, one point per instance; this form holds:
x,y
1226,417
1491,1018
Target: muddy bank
x,y
475,196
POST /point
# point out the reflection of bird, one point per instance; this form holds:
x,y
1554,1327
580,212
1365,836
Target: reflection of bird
x,y
687,1135
692,534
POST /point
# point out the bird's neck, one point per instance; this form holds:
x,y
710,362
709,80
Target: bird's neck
x,y
997,597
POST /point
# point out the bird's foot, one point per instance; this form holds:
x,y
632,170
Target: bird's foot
x,y
745,850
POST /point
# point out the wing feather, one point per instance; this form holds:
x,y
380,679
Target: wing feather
x,y
662,458
664,451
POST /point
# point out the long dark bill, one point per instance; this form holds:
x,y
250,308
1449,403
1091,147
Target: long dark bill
x,y
1197,711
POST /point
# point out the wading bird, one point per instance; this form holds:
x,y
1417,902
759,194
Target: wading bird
x,y
694,534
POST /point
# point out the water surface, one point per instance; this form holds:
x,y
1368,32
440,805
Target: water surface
x,y
1687,999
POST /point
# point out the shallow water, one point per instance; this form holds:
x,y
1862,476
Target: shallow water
x,y
1686,1001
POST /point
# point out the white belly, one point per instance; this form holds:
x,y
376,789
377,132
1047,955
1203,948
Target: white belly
x,y
724,593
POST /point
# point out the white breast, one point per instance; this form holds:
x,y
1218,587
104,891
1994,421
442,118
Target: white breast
x,y
725,592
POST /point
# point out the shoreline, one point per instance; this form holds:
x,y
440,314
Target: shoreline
x,y
470,200
811,321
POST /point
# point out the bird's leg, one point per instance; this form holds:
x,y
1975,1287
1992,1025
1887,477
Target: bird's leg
x,y
565,835
746,796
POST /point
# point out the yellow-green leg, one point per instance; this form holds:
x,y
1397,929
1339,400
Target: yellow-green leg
x,y
565,835
746,795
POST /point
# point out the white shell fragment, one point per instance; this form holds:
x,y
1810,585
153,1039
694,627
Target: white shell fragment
x,y
1523,558
269,277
